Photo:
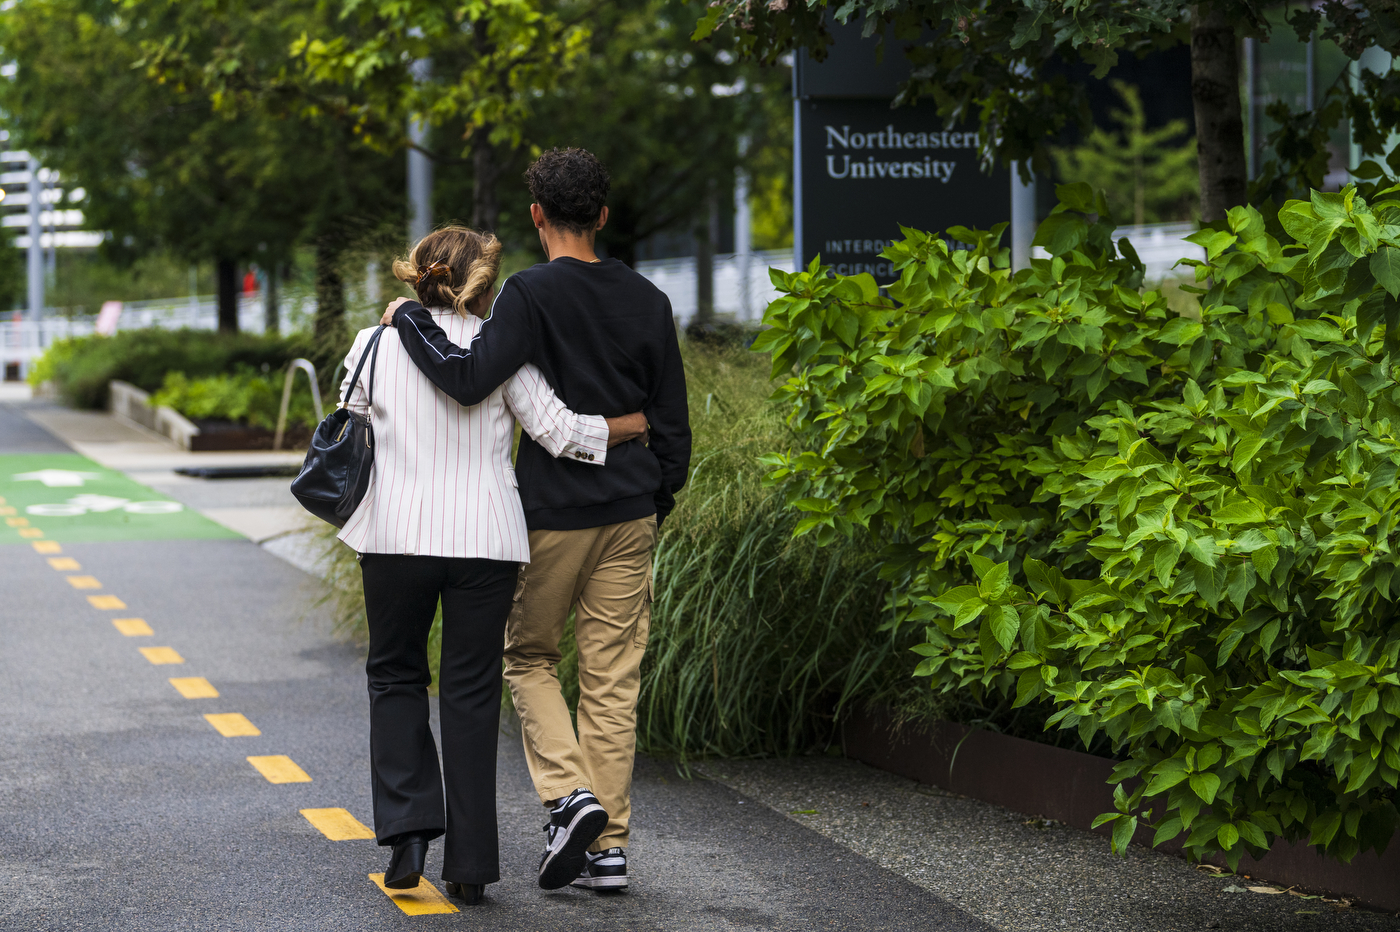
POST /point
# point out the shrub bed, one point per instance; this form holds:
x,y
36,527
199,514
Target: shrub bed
x,y
81,367
245,397
1177,534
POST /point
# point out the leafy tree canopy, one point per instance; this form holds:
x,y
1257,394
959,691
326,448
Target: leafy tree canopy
x,y
992,62
665,115
160,169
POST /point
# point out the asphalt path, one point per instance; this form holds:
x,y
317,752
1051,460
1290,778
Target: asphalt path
x,y
125,809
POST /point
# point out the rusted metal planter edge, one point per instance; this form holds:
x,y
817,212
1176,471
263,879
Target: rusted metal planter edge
x,y
1070,787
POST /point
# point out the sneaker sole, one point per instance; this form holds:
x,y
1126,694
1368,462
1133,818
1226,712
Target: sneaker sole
x,y
569,859
601,883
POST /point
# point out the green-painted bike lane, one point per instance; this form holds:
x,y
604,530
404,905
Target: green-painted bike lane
x,y
67,497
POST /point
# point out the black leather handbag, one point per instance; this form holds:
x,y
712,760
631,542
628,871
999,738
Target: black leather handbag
x,y
336,473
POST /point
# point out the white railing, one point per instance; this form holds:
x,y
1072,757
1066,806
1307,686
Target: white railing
x,y
1160,246
676,277
23,341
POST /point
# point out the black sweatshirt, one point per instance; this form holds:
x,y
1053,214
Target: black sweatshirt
x,y
604,338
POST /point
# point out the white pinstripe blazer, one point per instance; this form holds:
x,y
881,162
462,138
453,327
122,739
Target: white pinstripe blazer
x,y
443,484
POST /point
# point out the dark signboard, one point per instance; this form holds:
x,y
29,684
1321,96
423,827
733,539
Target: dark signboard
x,y
863,169
866,169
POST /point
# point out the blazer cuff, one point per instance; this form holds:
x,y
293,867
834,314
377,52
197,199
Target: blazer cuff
x,y
588,440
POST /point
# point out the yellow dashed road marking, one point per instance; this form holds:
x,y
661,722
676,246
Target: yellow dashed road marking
x,y
105,601
162,655
7,510
30,532
84,582
278,768
338,825
194,687
64,563
425,900
132,627
17,522
232,724
47,546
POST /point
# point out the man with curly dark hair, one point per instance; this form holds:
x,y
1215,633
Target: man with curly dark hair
x,y
606,341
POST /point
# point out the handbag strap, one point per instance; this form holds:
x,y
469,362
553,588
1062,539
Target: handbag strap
x,y
373,354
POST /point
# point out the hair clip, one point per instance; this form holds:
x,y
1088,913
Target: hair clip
x,y
436,270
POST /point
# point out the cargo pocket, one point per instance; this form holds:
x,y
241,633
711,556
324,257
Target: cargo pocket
x,y
643,629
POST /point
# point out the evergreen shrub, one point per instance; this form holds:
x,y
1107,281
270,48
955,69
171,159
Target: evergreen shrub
x,y
1180,533
245,396
81,367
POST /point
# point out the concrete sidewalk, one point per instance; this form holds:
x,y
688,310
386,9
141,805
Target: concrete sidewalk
x,y
1019,873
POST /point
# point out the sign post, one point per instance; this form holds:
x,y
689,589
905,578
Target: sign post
x,y
862,169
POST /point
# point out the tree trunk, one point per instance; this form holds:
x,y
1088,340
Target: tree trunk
x,y
226,271
486,171
329,325
1215,92
272,317
706,237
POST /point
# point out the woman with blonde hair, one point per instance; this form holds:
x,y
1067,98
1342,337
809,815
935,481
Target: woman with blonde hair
x,y
442,521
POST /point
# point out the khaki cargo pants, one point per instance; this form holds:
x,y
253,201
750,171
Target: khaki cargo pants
x,y
604,573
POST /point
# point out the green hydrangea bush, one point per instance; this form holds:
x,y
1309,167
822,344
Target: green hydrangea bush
x,y
1176,531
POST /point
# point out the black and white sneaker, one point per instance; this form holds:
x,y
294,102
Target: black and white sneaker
x,y
573,825
605,870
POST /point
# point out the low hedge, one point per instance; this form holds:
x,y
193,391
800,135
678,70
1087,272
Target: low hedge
x,y
81,367
1180,533
245,396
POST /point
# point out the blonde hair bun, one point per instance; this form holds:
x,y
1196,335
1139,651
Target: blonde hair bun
x,y
451,267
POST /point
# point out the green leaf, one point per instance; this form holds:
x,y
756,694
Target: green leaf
x,y
1181,331
1264,560
1165,781
1385,266
1046,581
769,338
1029,685
953,599
1167,831
995,581
1123,833
1240,513
968,611
1164,562
1205,785
1252,834
1319,330
1227,836
1006,624
1061,233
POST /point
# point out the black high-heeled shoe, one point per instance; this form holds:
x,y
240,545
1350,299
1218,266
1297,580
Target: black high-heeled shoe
x,y
406,864
471,894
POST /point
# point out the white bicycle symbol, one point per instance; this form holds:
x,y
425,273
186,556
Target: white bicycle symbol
x,y
83,504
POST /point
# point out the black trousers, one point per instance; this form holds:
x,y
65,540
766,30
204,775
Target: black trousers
x,y
401,597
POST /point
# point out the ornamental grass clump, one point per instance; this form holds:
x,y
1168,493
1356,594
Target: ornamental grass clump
x,y
1178,533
